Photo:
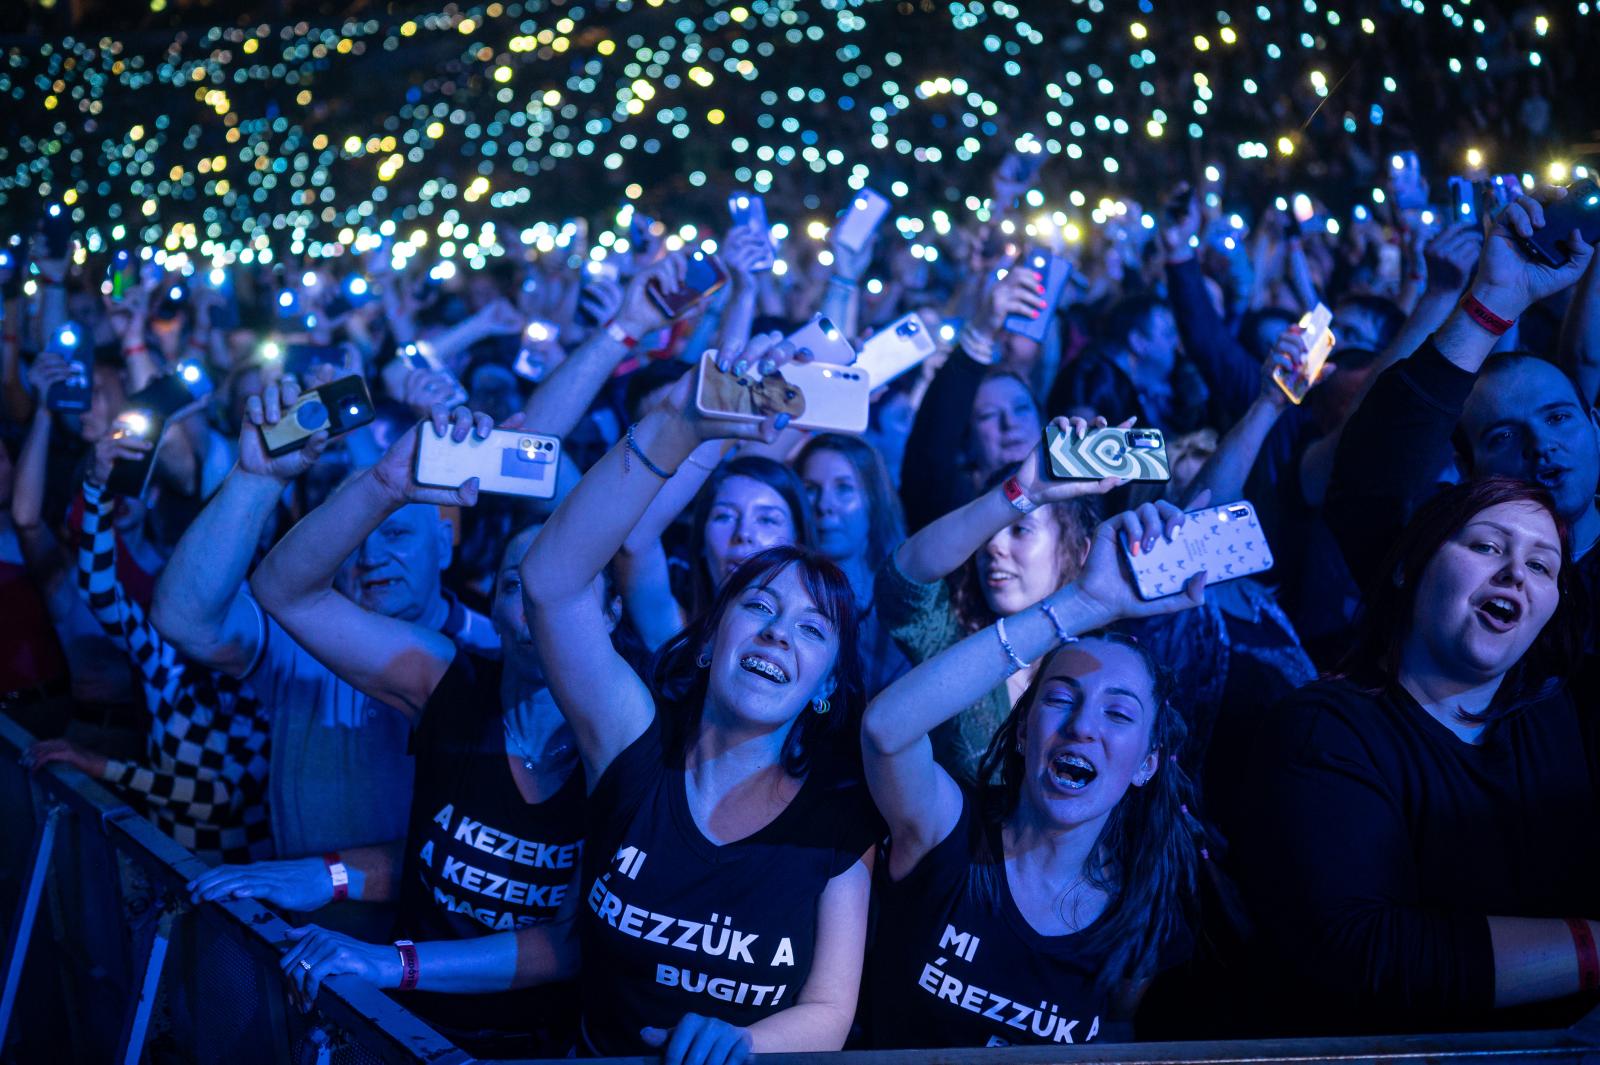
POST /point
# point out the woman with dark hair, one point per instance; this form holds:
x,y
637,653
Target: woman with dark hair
x,y
1036,908
858,525
1024,538
1422,847
726,872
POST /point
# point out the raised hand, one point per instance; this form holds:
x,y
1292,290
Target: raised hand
x,y
638,314
602,298
1039,486
111,447
500,318
301,884
1179,230
697,1040
394,470
1448,258
1105,580
266,408
745,251
1020,292
1508,283
46,370
1289,355
424,390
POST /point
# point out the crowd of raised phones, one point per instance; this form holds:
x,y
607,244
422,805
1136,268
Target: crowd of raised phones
x,y
1023,646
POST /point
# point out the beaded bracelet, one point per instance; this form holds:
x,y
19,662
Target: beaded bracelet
x,y
633,446
1062,635
1005,645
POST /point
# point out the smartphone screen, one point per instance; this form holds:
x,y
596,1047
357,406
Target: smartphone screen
x,y
130,477
1405,173
1580,210
1463,201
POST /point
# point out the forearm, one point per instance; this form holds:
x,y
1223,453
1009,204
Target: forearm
x,y
374,871
302,565
202,579
940,688
452,341
559,402
643,581
594,520
809,1026
1465,342
28,490
944,546
97,565
1535,959
530,956
1579,345
738,317
1226,471
15,403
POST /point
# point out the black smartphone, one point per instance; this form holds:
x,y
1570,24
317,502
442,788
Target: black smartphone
x,y
71,395
1464,201
703,276
1579,210
338,406
55,231
147,415
1053,272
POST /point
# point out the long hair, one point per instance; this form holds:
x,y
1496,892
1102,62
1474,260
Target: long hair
x,y
1075,522
681,683
1384,622
886,525
770,472
1149,851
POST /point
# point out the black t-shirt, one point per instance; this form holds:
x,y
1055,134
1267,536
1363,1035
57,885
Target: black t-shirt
x,y
956,964
673,924
480,858
1379,843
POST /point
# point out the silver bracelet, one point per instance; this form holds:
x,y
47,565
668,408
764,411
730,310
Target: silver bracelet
x,y
1062,635
1005,645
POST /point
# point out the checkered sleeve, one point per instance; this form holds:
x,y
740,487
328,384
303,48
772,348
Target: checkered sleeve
x,y
121,617
199,798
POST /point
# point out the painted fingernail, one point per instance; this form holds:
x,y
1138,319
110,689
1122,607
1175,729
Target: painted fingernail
x,y
1133,549
1149,542
767,366
782,421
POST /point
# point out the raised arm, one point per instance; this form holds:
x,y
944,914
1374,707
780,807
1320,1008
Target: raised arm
x,y
199,603
396,662
917,798
943,547
1580,335
559,402
606,704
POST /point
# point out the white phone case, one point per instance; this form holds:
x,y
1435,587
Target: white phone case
x,y
506,462
817,395
823,339
1226,542
867,209
895,348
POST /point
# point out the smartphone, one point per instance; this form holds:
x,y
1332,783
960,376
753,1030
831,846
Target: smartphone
x,y
338,406
358,291
1318,339
71,395
1505,188
894,349
301,359
703,277
508,462
1133,454
1464,201
149,413
122,275
823,339
816,395
1579,210
748,209
604,270
419,356
861,219
1405,173
192,373
1226,542
55,230
1053,271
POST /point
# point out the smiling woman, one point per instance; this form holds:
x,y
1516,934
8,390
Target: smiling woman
x,y
1424,843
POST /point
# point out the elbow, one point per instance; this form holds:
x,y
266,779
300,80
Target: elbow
x,y
879,736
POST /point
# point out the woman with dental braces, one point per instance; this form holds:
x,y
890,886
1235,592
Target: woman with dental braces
x,y
1037,907
727,871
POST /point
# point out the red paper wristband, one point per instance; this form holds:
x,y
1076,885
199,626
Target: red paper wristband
x,y
1588,957
339,874
410,971
1484,317
620,335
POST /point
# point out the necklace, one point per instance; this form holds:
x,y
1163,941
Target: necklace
x,y
530,761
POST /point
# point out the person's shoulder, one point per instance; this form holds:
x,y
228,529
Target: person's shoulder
x,y
1332,715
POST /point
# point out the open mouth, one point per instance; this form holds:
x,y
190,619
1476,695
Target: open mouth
x,y
1550,476
1072,771
1499,613
379,584
764,668
996,578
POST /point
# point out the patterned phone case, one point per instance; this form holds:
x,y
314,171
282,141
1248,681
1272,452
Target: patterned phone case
x,y
1136,454
1226,542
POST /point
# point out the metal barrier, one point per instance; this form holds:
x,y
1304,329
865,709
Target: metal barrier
x,y
105,960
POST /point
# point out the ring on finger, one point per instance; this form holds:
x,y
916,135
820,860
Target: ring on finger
x,y
305,965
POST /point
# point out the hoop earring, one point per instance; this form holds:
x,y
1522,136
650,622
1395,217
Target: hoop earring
x,y
704,661
820,706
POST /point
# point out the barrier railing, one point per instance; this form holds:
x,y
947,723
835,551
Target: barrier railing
x,y
105,960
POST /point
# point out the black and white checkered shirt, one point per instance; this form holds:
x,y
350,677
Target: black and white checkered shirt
x,y
205,780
